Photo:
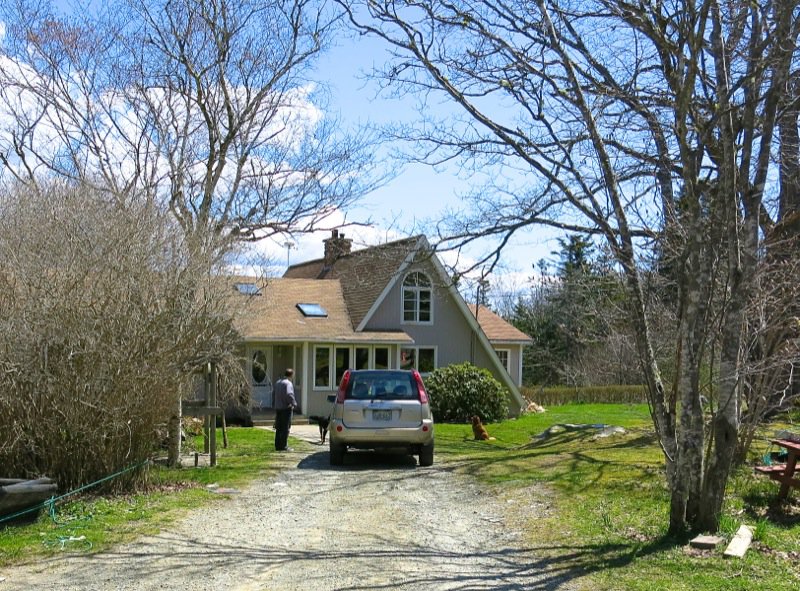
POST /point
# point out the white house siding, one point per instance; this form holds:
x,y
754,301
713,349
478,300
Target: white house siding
x,y
449,333
515,362
514,359
317,402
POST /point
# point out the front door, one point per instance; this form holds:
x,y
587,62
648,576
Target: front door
x,y
260,372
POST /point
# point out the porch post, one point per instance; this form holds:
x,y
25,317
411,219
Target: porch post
x,y
307,369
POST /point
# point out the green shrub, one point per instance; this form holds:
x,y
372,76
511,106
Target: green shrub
x,y
457,392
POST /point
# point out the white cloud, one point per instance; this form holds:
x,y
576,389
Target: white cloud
x,y
109,131
270,254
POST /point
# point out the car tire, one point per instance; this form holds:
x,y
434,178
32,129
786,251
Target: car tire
x,y
426,455
337,454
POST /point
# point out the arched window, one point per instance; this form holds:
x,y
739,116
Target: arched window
x,y
417,298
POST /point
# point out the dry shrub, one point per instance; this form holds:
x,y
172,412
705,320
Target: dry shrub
x,y
103,311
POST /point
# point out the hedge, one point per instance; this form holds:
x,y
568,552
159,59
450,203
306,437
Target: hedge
x,y
558,395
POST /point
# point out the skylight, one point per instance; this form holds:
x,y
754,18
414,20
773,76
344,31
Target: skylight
x,y
247,288
313,310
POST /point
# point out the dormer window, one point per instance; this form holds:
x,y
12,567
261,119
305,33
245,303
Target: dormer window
x,y
417,298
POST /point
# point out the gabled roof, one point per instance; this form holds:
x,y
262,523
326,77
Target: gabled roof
x,y
498,330
366,277
273,315
363,274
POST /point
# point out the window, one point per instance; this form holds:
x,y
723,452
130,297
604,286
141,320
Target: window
x,y
312,310
381,357
426,360
342,363
503,355
322,367
423,359
362,358
417,298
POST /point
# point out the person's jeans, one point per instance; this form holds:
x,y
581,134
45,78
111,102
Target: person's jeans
x,y
283,422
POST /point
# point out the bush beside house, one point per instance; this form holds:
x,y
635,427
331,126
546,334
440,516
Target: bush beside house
x,y
460,391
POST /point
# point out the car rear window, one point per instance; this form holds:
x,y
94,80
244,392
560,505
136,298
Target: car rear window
x,y
394,385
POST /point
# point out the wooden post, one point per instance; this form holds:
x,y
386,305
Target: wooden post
x,y
212,419
206,418
224,423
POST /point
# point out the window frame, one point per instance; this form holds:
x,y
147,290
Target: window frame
x,y
332,351
264,381
311,310
247,288
416,292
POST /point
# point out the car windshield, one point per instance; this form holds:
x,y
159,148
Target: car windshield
x,y
395,385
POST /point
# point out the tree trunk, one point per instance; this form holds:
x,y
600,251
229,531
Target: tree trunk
x,y
725,426
684,504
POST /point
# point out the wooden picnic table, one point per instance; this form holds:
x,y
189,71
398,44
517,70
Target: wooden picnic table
x,y
784,473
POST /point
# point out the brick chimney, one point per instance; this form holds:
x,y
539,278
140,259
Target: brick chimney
x,y
336,246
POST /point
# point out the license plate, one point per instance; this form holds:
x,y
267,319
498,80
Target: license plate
x,y
381,415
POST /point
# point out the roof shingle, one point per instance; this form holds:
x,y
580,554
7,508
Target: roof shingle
x,y
497,329
274,316
363,274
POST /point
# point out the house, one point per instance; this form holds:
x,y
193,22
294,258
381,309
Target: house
x,y
386,306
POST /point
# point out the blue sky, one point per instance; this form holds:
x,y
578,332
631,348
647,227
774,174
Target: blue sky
x,y
418,193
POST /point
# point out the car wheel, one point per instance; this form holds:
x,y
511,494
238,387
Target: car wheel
x,y
337,454
426,455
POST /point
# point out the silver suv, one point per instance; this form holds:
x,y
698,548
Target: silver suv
x,y
384,408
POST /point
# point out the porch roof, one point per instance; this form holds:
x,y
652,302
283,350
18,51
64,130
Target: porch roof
x,y
373,338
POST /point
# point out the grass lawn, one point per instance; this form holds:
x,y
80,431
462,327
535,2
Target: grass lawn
x,y
608,510
605,508
87,521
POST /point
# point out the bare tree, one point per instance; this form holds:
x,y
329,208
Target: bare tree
x,y
204,108
648,124
207,106
772,346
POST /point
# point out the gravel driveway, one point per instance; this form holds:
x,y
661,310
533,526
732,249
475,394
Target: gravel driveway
x,y
379,522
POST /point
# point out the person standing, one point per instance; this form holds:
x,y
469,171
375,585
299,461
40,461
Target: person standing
x,y
285,403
